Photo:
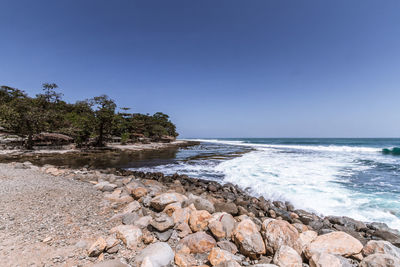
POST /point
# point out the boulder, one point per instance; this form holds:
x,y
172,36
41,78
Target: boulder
x,y
248,239
181,215
306,238
199,203
139,192
221,225
287,256
198,220
228,207
162,222
228,246
171,208
199,242
278,233
97,247
383,247
129,234
161,201
159,254
338,243
328,260
185,260
143,222
183,229
380,260
218,256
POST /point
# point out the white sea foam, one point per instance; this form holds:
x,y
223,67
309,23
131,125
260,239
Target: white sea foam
x,y
316,179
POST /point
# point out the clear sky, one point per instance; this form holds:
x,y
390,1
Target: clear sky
x,y
260,68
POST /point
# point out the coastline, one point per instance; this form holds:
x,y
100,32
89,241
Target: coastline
x,y
204,200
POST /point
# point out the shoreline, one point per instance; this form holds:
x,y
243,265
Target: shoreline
x,y
204,200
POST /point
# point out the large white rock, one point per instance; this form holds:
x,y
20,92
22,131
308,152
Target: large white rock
x,y
159,254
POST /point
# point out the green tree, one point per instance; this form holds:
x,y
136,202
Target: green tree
x,y
104,109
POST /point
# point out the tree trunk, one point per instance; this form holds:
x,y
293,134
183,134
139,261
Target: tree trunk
x,y
29,142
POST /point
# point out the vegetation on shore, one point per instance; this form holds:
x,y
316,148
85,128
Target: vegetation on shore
x,y
90,122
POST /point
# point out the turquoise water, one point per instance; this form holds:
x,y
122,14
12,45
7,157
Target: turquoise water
x,y
330,176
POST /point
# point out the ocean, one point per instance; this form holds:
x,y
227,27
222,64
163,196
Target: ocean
x,y
328,176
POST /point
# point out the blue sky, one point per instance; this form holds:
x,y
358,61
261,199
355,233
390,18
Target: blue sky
x,y
261,68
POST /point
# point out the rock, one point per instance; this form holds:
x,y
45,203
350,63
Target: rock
x,y
287,256
132,207
181,215
229,207
143,222
248,239
199,242
306,238
383,247
198,220
199,203
185,260
338,243
171,208
159,254
300,227
388,236
130,218
161,201
98,247
164,236
183,229
228,246
230,263
221,225
162,222
278,233
139,192
348,223
111,263
380,260
111,242
218,256
129,234
328,260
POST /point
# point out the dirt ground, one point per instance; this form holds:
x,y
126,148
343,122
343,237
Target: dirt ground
x,y
47,220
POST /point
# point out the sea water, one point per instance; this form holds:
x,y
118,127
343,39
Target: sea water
x,y
343,177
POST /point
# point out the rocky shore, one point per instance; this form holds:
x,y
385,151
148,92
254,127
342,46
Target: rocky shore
x,y
150,219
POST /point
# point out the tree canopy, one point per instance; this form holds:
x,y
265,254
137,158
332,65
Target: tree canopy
x,y
89,122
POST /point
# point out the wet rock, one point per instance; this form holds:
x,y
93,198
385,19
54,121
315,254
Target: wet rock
x,y
162,222
161,201
159,254
380,260
338,243
228,246
198,220
388,236
248,239
199,242
229,207
97,247
287,256
306,217
278,233
218,256
383,247
348,223
129,234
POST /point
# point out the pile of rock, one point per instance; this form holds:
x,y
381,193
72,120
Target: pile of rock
x,y
174,220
